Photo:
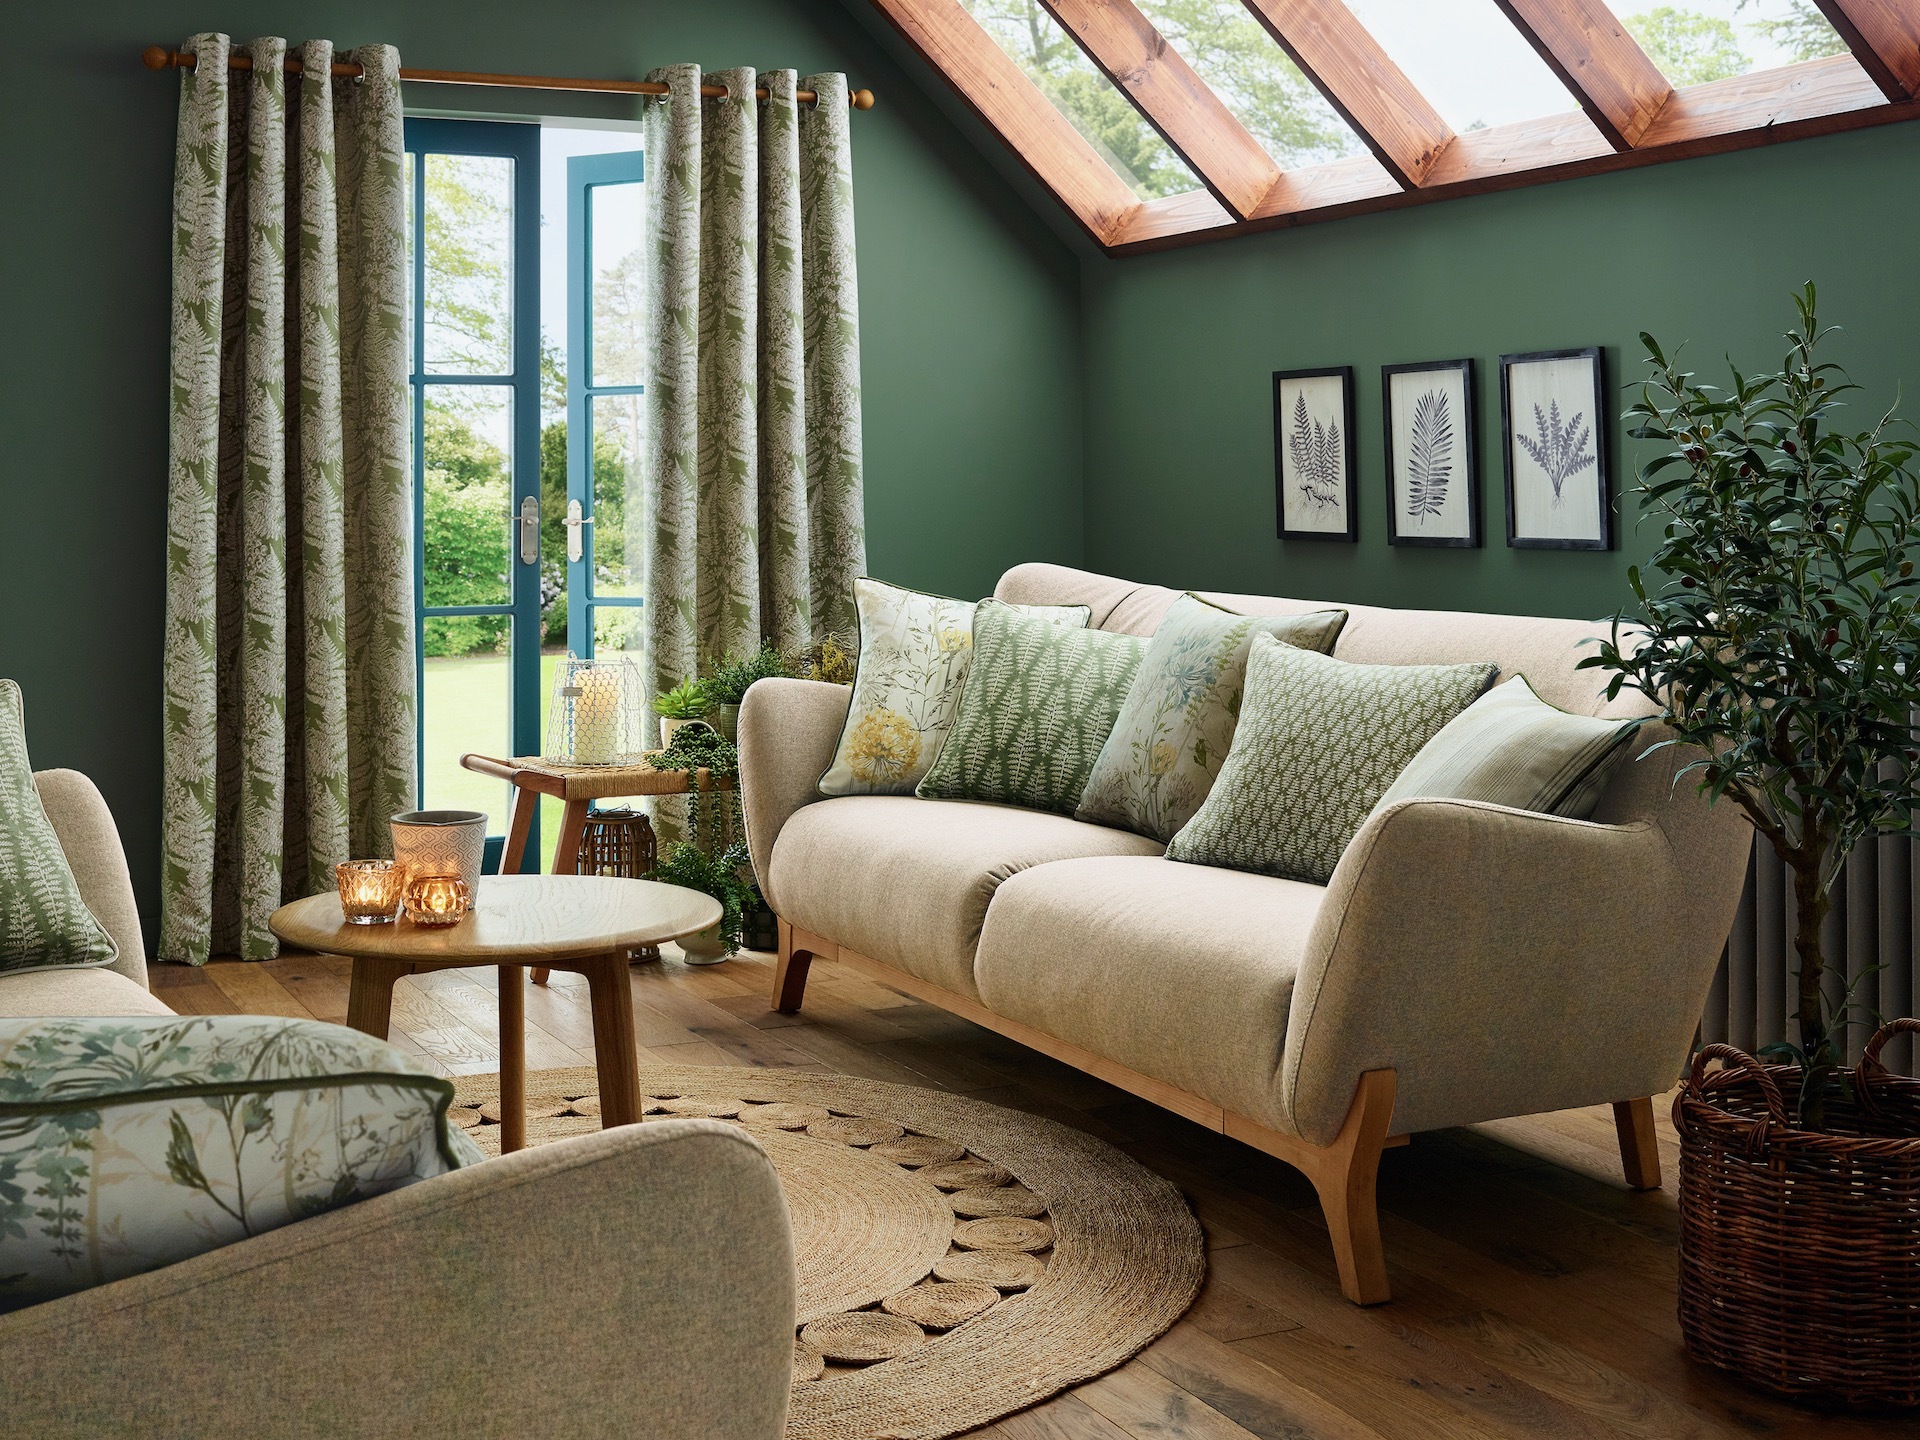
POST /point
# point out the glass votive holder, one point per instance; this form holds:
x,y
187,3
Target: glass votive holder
x,y
437,900
369,890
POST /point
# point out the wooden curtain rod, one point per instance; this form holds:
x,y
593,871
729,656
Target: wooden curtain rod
x,y
158,57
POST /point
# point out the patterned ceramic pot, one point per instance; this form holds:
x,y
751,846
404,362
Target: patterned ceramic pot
x,y
705,948
670,727
441,842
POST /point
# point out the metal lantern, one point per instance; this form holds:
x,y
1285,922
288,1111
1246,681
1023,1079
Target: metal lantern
x,y
617,842
599,712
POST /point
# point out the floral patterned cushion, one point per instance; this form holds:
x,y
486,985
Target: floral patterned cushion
x,y
915,651
131,1143
44,924
1174,730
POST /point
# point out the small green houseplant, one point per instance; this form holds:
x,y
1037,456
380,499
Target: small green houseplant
x,y
1779,633
718,875
727,683
682,705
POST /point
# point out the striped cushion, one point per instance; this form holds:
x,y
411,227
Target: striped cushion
x,y
1512,748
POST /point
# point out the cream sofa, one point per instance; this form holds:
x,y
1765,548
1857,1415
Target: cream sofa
x,y
635,1282
1465,962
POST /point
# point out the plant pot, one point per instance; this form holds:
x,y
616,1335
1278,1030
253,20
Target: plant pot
x,y
760,928
704,948
670,727
726,719
1800,1249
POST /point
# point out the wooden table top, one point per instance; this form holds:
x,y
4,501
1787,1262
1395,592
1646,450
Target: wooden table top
x,y
518,920
590,782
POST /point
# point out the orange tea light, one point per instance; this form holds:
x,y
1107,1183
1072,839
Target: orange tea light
x,y
369,890
437,900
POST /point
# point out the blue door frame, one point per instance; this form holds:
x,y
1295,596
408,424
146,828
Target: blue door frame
x,y
584,174
521,144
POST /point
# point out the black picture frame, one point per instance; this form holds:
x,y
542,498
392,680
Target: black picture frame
x,y
1599,485
1348,482
1467,448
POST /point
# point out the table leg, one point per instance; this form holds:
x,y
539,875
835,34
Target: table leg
x,y
526,804
370,994
566,857
513,1058
614,1052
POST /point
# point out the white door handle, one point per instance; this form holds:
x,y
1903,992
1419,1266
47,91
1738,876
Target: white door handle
x,y
576,524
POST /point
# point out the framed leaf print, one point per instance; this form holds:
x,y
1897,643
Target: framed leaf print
x,y
1316,471
1433,471
1553,421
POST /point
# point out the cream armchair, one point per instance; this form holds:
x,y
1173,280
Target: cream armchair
x,y
1466,962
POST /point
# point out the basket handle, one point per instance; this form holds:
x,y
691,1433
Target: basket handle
x,y
1739,1059
1871,1069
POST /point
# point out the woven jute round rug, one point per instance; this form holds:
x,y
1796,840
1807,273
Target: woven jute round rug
x,y
958,1261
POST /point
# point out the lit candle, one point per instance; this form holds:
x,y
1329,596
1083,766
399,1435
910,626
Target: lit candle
x,y
437,900
596,715
369,890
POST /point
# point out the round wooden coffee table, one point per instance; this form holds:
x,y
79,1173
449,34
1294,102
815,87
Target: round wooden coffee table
x,y
585,923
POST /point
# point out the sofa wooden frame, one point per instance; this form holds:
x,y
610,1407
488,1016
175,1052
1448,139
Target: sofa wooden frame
x,y
1344,1173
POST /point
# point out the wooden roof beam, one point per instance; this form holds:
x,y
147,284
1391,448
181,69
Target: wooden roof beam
x,y
1131,53
1622,91
1884,36
1373,95
1043,139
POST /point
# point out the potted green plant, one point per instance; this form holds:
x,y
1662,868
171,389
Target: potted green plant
x,y
727,683
685,704
718,875
1778,629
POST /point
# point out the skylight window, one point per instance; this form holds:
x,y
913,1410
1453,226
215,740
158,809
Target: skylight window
x,y
1091,102
1467,58
1696,41
1256,80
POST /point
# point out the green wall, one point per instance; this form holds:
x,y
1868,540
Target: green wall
x,y
970,342
1181,347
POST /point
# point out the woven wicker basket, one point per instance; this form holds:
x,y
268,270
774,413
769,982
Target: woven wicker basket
x,y
1800,1250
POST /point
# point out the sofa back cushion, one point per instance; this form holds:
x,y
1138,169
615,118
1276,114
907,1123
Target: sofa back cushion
x,y
44,924
132,1142
1548,652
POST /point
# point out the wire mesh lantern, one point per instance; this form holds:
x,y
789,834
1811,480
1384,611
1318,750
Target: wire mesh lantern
x,y
599,712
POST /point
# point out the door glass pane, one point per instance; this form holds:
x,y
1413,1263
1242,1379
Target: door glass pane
x,y
616,223
1075,87
465,705
1706,40
616,431
469,262
467,499
1467,58
1255,79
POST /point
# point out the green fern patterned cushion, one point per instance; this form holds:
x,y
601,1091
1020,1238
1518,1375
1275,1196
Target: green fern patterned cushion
x,y
1174,731
915,651
128,1144
1319,742
44,924
1039,703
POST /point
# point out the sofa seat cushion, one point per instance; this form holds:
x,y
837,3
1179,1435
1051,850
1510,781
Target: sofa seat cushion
x,y
1181,972
75,992
906,881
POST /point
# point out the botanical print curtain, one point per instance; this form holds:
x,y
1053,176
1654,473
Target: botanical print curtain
x,y
752,523
289,672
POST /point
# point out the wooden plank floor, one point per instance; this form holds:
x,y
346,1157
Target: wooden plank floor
x,y
1534,1294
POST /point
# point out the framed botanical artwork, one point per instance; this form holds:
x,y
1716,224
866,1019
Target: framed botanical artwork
x,y
1433,470
1316,471
1553,422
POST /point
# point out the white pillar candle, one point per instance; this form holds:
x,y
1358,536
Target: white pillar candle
x,y
596,715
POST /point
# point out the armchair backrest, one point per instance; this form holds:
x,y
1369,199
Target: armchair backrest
x,y
99,863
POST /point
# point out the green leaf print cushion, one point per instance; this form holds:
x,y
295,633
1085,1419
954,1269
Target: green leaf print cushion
x,y
131,1143
1174,731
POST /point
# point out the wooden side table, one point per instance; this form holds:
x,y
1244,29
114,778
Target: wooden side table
x,y
577,787
585,923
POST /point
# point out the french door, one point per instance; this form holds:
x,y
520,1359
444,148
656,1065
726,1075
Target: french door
x,y
605,363
473,232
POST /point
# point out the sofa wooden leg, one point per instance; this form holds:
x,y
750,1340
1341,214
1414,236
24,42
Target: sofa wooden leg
x,y
1344,1174
790,973
1639,1148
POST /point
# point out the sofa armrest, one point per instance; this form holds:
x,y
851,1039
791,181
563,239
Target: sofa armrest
x,y
1505,962
636,1281
788,732
99,863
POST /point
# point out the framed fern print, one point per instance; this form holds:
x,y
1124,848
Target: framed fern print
x,y
1433,470
1553,422
1316,470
